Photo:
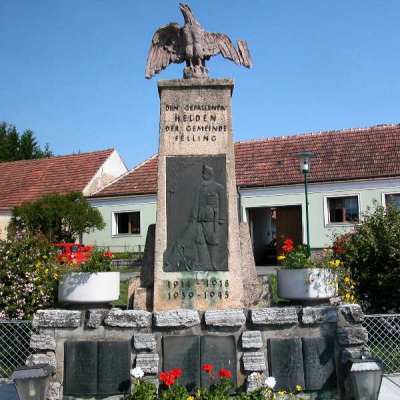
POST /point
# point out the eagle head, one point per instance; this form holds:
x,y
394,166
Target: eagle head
x,y
187,13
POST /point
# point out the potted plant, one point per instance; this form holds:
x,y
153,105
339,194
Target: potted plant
x,y
306,278
91,281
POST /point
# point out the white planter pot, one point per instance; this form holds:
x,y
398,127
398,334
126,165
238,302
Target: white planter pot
x,y
88,287
307,284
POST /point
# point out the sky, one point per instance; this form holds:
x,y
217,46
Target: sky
x,y
73,70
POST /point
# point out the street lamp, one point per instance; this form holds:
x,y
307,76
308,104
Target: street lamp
x,y
32,382
305,157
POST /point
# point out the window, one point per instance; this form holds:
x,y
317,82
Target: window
x,y
127,223
343,209
393,200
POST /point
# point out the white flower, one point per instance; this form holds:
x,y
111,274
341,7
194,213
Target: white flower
x,y
270,382
137,372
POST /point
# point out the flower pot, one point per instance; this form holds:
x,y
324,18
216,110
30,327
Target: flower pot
x,y
89,287
307,283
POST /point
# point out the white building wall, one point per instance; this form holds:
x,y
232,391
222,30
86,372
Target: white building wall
x,y
111,169
5,217
146,205
321,232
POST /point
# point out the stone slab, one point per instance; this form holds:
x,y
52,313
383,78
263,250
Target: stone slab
x,y
255,381
144,342
286,362
275,316
95,318
54,392
319,363
176,318
114,363
96,368
147,270
254,361
128,318
319,315
57,319
219,351
351,313
225,318
352,335
183,352
149,363
252,340
41,358
42,342
80,368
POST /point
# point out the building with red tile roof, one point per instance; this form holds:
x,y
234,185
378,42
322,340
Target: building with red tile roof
x,y
351,170
27,180
338,156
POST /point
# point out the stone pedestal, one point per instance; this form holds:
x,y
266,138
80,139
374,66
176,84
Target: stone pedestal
x,y
197,249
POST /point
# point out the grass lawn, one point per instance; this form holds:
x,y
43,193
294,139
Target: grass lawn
x,y
123,295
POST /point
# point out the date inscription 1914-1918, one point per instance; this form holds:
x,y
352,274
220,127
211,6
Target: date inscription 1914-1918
x,y
214,288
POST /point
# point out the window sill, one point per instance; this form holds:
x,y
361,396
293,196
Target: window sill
x,y
337,224
117,235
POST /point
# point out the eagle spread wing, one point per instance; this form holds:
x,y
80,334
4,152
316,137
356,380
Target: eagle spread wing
x,y
166,48
216,43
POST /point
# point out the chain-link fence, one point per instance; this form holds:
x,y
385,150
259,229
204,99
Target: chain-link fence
x,y
14,345
384,339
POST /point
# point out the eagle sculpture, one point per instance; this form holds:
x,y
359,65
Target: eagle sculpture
x,y
193,45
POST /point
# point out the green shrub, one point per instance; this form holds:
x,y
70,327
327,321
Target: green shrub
x,y
28,276
372,254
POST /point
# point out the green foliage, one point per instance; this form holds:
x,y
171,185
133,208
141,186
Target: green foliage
x,y
61,218
372,254
174,392
297,258
28,276
99,261
220,390
143,390
15,146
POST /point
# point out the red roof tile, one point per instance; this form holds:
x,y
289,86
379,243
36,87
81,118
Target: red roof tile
x,y
27,180
362,153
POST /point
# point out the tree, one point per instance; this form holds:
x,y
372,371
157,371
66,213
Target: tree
x,y
15,146
59,217
372,253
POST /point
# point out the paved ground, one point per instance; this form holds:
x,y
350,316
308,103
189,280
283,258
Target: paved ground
x,y
390,389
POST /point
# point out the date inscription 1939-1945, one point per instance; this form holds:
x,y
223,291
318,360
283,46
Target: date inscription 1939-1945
x,y
215,289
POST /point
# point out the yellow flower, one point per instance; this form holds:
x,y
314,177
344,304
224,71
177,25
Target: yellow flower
x,y
346,280
280,258
190,398
298,388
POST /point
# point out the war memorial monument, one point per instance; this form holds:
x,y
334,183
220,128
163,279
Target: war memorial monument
x,y
199,299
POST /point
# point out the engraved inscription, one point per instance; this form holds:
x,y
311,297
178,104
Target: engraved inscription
x,y
195,122
187,289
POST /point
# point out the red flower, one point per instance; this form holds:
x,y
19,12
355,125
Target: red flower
x,y
225,373
207,368
287,246
176,372
167,378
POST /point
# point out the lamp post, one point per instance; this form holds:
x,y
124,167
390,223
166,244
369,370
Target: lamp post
x,y
305,157
32,382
